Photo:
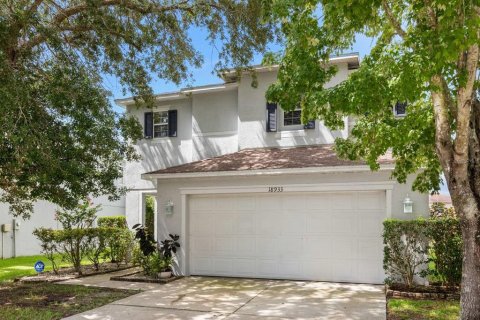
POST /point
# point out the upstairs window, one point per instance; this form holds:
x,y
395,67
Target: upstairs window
x,y
292,118
160,124
400,109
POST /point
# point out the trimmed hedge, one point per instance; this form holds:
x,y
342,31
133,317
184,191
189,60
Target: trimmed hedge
x,y
112,222
410,245
93,243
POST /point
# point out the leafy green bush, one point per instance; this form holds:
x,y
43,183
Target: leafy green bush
x,y
119,245
96,245
49,245
112,222
81,217
405,249
410,244
446,243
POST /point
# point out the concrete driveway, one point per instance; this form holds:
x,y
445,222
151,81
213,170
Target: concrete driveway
x,y
202,298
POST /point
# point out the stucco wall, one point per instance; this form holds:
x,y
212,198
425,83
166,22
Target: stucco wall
x,y
43,216
252,117
170,190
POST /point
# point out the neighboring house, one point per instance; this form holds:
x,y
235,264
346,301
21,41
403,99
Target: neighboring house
x,y
18,240
441,198
253,192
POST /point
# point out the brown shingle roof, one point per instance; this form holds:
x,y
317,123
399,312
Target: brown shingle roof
x,y
269,158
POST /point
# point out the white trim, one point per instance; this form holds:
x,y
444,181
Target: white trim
x,y
354,57
184,237
389,202
348,186
214,134
359,168
287,133
183,93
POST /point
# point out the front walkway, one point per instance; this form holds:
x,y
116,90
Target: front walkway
x,y
204,298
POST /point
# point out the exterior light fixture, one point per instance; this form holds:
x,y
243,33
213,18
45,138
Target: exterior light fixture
x,y
407,205
169,207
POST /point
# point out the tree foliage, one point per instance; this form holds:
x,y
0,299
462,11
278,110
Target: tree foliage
x,y
60,138
408,52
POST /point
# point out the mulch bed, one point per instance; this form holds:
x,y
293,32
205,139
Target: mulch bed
x,y
423,292
141,277
70,273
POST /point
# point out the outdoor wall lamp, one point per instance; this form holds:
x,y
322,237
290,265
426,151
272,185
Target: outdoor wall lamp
x,y
169,207
407,205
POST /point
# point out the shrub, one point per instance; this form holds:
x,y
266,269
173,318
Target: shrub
x,y
96,245
112,222
446,243
405,249
81,217
49,243
73,244
120,243
410,244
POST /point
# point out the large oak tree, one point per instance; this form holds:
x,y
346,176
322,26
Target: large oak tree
x,y
60,140
426,53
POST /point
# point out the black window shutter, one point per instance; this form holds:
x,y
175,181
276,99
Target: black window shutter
x,y
310,125
271,117
148,125
172,123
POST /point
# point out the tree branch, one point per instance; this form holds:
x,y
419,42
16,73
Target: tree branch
x,y
395,23
443,142
71,11
468,64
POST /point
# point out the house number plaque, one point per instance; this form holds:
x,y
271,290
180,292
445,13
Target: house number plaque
x,y
275,189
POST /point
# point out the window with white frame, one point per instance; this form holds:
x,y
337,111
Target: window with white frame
x,y
160,124
292,118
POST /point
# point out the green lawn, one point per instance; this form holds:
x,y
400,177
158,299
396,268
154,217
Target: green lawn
x,y
12,268
408,309
46,301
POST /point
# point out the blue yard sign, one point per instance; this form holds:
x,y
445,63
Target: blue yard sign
x,y
39,266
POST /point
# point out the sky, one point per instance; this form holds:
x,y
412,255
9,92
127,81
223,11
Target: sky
x,y
204,75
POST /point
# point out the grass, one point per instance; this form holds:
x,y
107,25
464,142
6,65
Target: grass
x,y
12,268
46,301
409,309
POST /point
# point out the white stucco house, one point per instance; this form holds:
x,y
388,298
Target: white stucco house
x,y
253,192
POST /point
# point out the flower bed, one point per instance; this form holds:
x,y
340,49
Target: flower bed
x,y
142,277
70,273
422,292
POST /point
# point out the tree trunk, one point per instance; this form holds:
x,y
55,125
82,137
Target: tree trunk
x,y
470,297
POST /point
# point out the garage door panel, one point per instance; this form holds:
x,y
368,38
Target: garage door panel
x,y
293,223
245,224
201,245
225,225
370,201
246,247
318,222
329,236
343,222
202,224
224,246
345,201
244,267
268,247
222,266
318,247
269,224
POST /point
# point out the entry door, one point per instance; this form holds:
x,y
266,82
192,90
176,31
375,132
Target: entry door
x,y
315,236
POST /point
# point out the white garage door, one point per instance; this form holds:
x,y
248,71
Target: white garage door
x,y
316,236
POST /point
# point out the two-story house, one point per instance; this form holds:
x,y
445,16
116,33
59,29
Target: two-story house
x,y
253,192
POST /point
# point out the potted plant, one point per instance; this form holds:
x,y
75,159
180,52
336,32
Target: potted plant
x,y
165,267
